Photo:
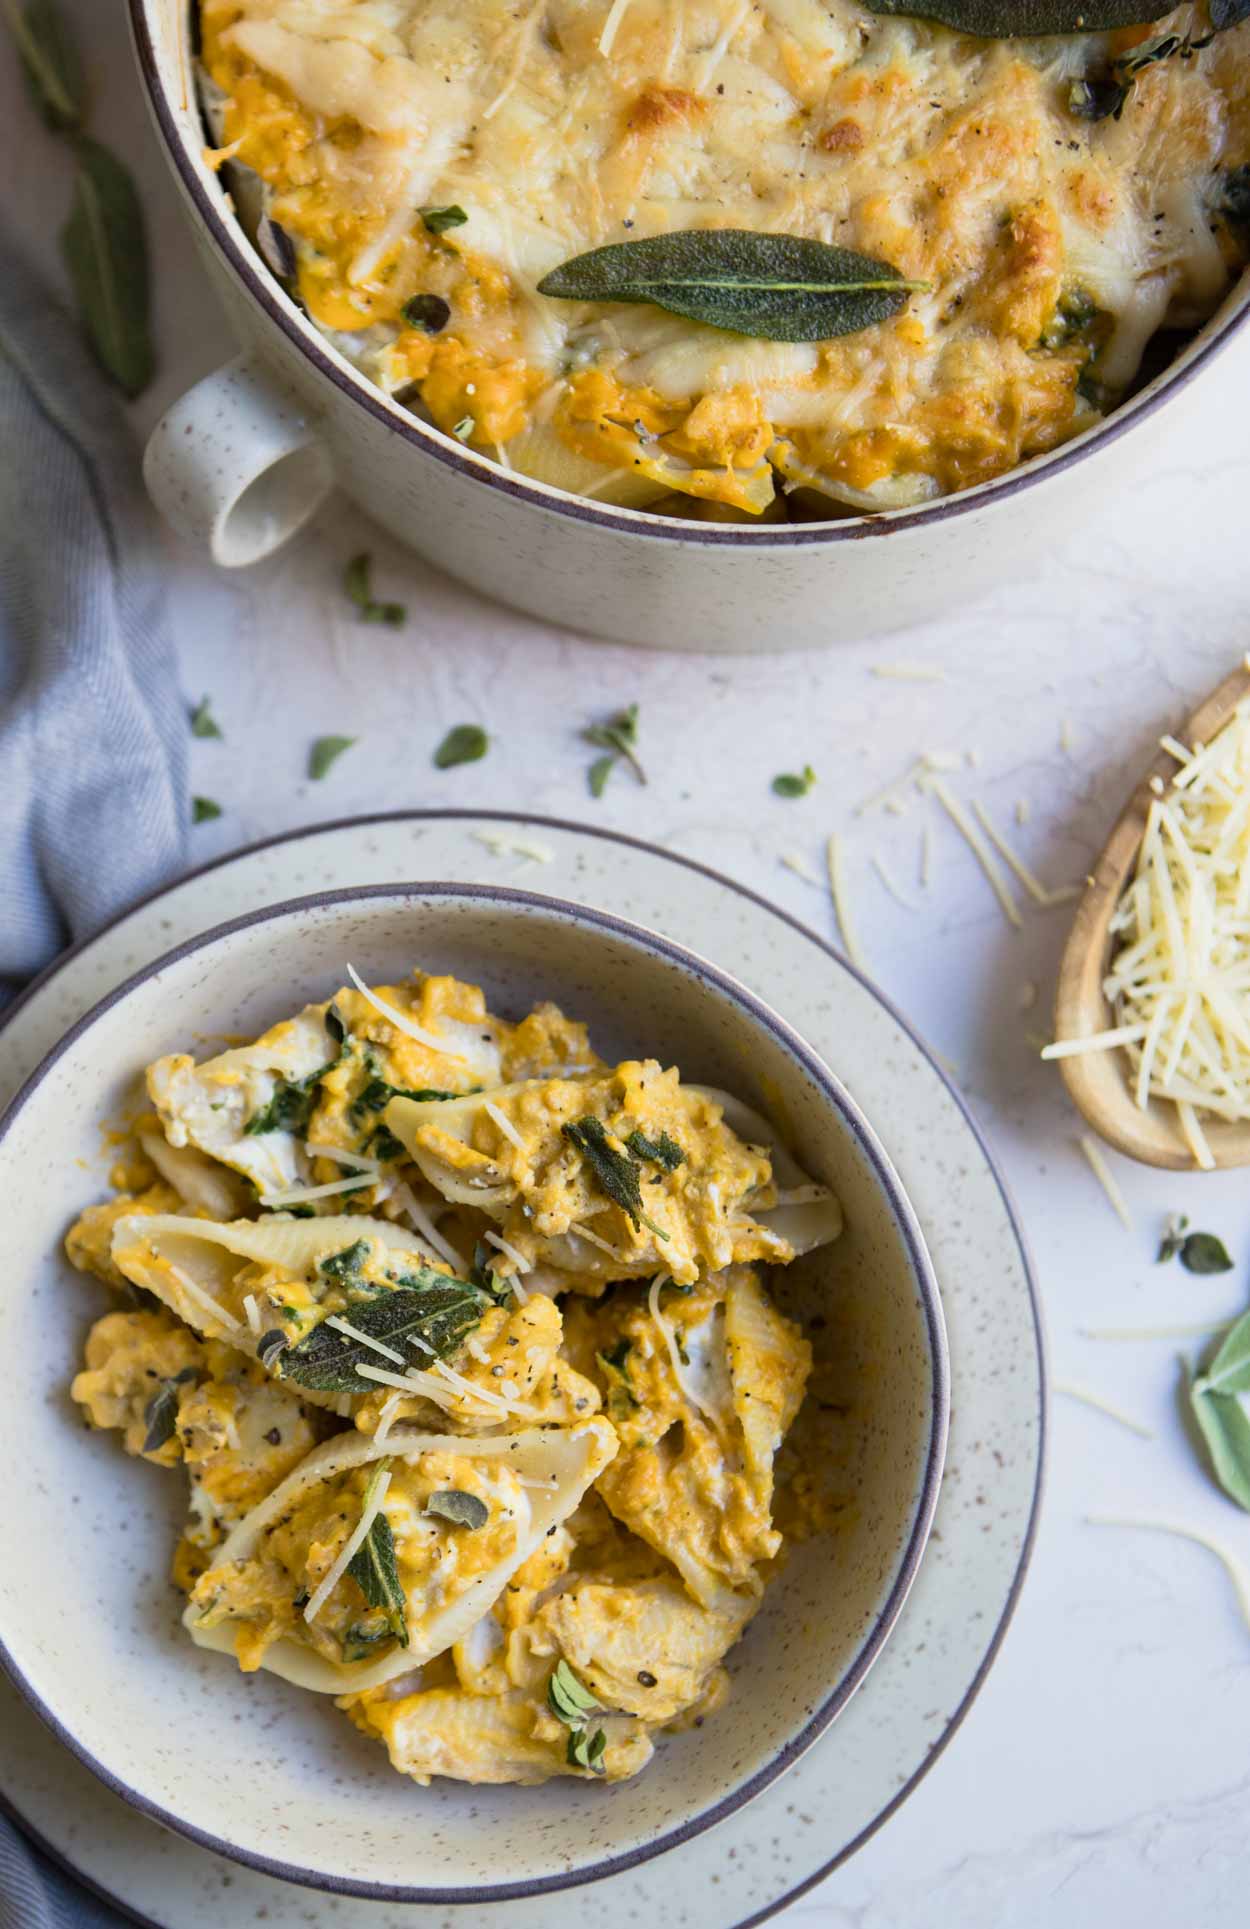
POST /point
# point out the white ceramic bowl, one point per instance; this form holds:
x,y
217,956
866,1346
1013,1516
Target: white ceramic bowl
x,y
251,1766
243,460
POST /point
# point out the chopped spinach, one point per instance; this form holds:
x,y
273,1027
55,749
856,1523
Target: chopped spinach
x,y
291,1106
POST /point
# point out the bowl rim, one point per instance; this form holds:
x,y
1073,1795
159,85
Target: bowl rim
x,y
920,1265
247,266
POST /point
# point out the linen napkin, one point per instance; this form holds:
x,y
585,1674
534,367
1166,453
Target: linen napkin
x,y
93,733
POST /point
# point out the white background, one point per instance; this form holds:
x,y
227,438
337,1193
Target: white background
x,y
1103,1776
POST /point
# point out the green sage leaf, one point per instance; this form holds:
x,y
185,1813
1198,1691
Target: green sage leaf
x,y
427,1306
613,1173
598,774
619,737
291,1107
204,809
774,287
792,784
50,63
1029,19
661,1150
106,253
203,722
466,744
357,581
586,1749
1229,1371
325,753
463,1510
160,1415
569,1698
1202,1252
374,1571
1226,1431
438,220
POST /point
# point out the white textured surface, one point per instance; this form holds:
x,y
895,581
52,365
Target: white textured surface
x,y
1101,1779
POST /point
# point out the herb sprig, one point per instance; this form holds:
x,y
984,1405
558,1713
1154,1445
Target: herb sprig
x,y
467,743
618,737
1220,1415
1198,1252
357,581
794,784
615,1173
571,1702
325,753
203,722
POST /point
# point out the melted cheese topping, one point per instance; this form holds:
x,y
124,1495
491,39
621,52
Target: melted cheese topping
x,y
1052,246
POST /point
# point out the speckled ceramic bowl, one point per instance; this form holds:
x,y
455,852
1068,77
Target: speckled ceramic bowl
x,y
259,1771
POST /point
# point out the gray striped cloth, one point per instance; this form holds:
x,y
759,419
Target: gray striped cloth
x,y
93,732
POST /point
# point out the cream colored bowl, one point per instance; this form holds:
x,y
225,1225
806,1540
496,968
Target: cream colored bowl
x,y
253,1767
243,460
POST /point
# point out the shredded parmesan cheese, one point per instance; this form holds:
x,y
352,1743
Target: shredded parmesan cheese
x,y
513,847
1180,974
835,857
359,1161
908,672
400,1019
1100,1405
302,1195
1202,1330
896,891
522,1264
1232,1565
386,1419
616,13
341,1325
420,1219
796,862
205,1300
504,1124
372,1508
1038,891
674,1355
253,1311
1102,1172
977,845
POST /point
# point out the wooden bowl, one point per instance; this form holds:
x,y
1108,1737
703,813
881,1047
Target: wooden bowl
x,y
1098,1082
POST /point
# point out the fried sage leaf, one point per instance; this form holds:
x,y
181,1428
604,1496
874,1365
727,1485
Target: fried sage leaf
x,y
373,1569
160,1415
613,1173
50,63
463,1510
773,287
105,250
429,1307
1029,19
661,1150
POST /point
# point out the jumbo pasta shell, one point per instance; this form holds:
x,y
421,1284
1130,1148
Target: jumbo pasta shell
x,y
560,1462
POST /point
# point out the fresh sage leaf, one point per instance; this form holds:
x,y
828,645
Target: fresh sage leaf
x,y
466,744
429,312
598,774
432,1307
50,63
204,809
772,287
614,1173
586,1749
438,220
106,253
357,582
203,722
1202,1252
325,753
374,1571
568,1698
292,1105
619,736
1226,1432
1028,19
1229,1371
463,1510
661,1150
791,784
160,1415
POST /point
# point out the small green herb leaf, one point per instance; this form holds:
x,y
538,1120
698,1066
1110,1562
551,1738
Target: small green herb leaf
x,y
661,1150
569,1698
106,253
1226,1431
346,1264
357,582
269,1346
203,810
463,1510
614,1173
376,1095
203,722
438,220
466,744
586,1749
1175,1227
1202,1252
788,784
436,1309
598,774
773,287
1026,19
160,1415
50,63
325,753
428,312
290,1108
373,1568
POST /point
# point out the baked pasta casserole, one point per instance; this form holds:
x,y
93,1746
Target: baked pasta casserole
x,y
1045,206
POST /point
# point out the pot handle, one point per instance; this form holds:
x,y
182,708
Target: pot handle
x,y
235,466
